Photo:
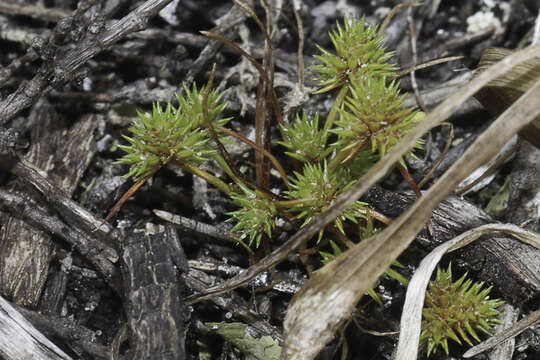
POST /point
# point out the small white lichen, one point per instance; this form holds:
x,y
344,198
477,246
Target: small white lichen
x,y
481,21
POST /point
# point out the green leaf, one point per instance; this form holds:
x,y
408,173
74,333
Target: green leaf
x,y
263,348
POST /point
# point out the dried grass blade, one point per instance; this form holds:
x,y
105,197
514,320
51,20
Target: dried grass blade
x,y
504,335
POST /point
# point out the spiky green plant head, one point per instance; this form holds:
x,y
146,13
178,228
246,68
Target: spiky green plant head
x,y
357,51
190,103
316,189
305,140
255,217
158,137
358,162
172,134
373,116
456,310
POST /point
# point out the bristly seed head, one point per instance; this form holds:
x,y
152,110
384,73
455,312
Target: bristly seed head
x,y
358,51
456,310
172,133
255,217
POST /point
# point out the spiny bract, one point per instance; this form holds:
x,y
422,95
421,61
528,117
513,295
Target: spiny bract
x,y
316,189
255,216
358,50
179,134
455,310
374,116
305,141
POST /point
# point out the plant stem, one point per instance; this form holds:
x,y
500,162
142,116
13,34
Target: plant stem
x,y
289,203
225,166
333,112
206,176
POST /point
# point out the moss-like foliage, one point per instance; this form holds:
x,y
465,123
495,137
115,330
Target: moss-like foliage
x,y
316,188
373,116
174,133
456,310
305,141
255,216
358,51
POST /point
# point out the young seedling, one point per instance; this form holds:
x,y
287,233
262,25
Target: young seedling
x,y
456,310
366,119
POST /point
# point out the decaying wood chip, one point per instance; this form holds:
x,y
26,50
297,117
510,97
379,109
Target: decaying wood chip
x,y
21,340
64,156
507,264
154,306
79,338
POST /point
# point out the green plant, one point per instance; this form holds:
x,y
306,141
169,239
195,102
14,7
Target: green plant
x,y
305,140
366,119
255,216
373,116
358,51
456,310
179,134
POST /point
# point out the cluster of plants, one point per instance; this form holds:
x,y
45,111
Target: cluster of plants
x,y
366,119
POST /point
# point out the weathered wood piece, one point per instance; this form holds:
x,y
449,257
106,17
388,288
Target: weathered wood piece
x,y
154,306
9,143
513,267
524,191
95,251
79,338
64,68
70,211
19,340
25,250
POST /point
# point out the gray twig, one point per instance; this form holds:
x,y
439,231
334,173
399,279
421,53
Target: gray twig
x,y
50,76
93,249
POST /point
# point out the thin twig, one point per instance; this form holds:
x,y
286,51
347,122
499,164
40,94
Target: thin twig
x,y
426,65
254,16
443,154
50,76
33,11
391,14
236,175
414,36
297,6
506,334
271,157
